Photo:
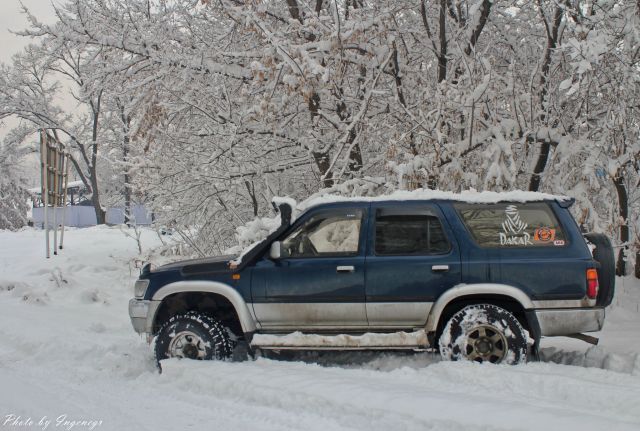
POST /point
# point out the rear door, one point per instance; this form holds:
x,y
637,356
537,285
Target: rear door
x,y
412,258
319,281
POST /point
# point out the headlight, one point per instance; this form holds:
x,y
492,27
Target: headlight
x,y
140,288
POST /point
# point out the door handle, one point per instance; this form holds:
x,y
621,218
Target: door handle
x,y
345,268
440,268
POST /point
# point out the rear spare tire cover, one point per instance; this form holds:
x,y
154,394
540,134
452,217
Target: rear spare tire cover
x,y
603,253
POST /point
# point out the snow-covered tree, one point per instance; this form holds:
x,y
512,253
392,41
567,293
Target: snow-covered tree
x,y
13,194
210,108
32,88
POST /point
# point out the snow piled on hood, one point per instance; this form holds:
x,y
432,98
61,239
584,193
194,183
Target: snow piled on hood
x,y
251,234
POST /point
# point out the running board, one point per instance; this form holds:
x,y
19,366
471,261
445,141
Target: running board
x,y
368,341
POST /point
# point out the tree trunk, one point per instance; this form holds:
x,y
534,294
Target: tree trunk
x,y
126,140
251,189
127,185
484,17
323,163
321,158
355,156
93,166
623,204
538,169
101,214
294,10
442,55
553,37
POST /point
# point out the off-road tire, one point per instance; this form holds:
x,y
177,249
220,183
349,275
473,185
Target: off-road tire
x,y
484,333
205,338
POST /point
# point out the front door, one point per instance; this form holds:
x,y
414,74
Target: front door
x,y
319,280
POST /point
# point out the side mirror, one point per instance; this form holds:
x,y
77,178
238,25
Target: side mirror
x,y
276,250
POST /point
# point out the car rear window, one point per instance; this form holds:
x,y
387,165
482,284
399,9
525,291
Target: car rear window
x,y
512,224
409,234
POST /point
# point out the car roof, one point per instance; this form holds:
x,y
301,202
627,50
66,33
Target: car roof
x,y
420,196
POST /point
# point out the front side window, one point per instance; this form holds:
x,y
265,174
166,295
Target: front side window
x,y
323,235
407,234
512,224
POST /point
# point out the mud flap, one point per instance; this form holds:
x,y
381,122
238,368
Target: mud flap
x,y
586,338
534,332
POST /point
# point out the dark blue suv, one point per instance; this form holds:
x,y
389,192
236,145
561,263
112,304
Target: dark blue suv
x,y
479,276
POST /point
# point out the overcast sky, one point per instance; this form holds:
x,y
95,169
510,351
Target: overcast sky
x,y
11,18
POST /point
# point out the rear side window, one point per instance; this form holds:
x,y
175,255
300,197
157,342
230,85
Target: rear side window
x,y
512,224
406,234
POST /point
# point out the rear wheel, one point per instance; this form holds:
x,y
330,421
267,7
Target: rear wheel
x,y
484,333
192,336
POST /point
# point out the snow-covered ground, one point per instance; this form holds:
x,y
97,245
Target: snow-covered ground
x,y
68,354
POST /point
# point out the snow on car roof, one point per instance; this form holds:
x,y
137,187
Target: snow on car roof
x,y
467,196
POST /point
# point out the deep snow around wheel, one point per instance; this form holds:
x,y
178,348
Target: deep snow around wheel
x,y
70,359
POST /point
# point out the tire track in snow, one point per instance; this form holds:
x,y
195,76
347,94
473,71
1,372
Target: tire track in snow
x,y
450,395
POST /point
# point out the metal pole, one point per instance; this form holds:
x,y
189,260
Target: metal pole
x,y
64,196
56,160
45,186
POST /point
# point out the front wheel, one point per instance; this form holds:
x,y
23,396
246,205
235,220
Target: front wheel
x,y
192,336
484,333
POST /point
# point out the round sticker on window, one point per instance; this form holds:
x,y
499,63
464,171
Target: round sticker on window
x,y
544,234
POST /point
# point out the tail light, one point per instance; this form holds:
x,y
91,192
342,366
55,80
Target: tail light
x,y
592,283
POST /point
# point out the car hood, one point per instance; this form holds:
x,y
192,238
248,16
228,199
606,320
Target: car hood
x,y
208,264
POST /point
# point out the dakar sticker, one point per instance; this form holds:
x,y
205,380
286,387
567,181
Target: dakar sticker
x,y
544,234
514,229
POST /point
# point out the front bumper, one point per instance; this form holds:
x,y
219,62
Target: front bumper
x,y
567,321
142,313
